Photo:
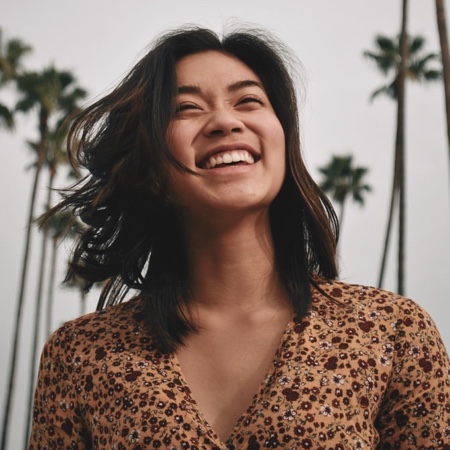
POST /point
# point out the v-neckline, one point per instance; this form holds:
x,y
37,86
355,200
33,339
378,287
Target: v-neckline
x,y
262,387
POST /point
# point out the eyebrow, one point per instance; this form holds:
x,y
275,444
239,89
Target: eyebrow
x,y
243,84
233,87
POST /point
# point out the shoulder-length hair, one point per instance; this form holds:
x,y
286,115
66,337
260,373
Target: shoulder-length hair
x,y
132,238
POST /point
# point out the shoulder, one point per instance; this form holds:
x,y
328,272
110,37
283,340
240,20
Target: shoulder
x,y
108,327
121,316
374,314
371,303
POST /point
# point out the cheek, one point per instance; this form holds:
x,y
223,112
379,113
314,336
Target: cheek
x,y
176,186
274,130
279,143
176,140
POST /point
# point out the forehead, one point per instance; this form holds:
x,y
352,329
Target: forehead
x,y
212,67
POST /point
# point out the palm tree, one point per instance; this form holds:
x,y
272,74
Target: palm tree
x,y
445,55
388,61
400,59
53,94
55,155
64,223
11,55
342,180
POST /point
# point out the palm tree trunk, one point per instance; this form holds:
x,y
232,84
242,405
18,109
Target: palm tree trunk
x,y
398,183
82,302
442,29
51,279
51,288
20,300
400,149
38,313
341,214
36,328
387,236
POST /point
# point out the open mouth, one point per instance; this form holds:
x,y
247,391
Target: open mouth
x,y
228,158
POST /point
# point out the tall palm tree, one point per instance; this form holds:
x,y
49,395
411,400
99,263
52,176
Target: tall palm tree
x,y
63,223
400,59
342,180
445,55
11,56
53,95
55,155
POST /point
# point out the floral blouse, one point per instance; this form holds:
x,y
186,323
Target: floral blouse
x,y
364,370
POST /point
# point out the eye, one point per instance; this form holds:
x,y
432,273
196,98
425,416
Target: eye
x,y
250,100
187,106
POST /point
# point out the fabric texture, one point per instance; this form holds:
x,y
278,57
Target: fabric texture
x,y
363,370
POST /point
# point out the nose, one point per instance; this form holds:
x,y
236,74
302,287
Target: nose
x,y
223,122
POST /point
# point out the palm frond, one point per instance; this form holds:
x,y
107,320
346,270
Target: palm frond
x,y
415,44
384,63
387,58
11,55
432,75
6,117
26,104
387,89
386,44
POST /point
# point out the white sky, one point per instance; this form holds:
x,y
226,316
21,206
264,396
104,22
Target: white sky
x,y
99,40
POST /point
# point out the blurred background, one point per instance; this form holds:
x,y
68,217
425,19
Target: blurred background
x,y
56,56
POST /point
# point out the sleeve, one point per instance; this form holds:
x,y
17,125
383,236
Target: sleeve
x,y
415,412
57,419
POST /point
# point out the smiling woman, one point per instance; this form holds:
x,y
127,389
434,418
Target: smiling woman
x,y
239,335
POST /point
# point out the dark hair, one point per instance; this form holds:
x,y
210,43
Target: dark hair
x,y
132,239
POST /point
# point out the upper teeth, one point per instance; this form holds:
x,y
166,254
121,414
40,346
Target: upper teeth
x,y
228,158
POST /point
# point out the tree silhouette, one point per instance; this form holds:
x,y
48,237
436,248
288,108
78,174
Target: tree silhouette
x,y
388,60
400,59
342,180
11,56
53,95
445,56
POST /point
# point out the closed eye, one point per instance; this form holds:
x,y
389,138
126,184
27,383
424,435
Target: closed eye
x,y
250,99
186,107
250,103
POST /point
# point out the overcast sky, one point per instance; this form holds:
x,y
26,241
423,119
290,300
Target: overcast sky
x,y
100,40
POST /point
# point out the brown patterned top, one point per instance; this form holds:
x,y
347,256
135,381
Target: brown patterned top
x,y
366,370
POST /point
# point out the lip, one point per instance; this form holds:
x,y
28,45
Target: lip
x,y
228,148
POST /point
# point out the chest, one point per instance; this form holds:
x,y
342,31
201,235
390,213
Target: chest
x,y
302,384
226,370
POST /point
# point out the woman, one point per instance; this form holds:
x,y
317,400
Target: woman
x,y
239,336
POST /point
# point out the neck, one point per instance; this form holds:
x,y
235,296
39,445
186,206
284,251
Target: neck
x,y
232,266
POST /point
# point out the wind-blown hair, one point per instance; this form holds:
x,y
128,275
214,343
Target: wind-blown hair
x,y
133,238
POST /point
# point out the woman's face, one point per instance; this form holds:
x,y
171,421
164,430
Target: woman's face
x,y
225,130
